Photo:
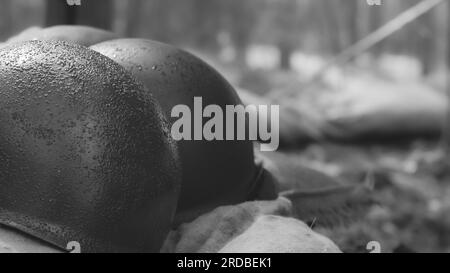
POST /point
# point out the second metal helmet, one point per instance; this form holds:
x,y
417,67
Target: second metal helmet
x,y
214,172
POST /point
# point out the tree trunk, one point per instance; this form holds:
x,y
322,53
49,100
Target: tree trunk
x,y
448,39
96,13
133,18
332,25
427,47
376,18
353,21
60,13
5,15
447,128
285,55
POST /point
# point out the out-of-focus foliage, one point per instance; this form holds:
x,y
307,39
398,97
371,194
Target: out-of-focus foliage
x,y
412,186
231,27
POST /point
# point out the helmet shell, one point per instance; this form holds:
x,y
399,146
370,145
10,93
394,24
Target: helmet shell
x,y
214,172
85,153
83,35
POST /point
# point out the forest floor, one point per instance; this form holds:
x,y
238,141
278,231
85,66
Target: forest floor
x,y
411,178
411,187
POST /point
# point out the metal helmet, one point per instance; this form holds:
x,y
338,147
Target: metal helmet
x,y
84,151
83,35
214,172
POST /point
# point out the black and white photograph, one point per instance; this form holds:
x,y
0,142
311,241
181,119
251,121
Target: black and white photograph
x,y
239,128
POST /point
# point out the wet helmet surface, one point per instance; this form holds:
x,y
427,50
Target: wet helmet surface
x,y
214,172
83,35
84,151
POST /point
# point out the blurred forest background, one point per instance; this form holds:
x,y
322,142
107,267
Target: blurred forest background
x,y
321,27
268,49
